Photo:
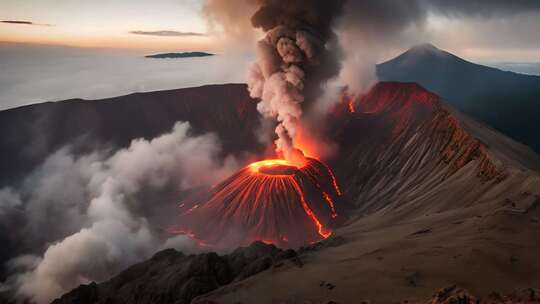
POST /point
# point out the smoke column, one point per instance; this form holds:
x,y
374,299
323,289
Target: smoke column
x,y
369,30
294,60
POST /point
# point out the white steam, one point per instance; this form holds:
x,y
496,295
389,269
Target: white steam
x,y
91,202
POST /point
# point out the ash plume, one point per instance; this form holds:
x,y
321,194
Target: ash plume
x,y
300,51
368,30
294,60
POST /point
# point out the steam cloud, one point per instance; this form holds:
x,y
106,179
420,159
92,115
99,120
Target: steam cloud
x,y
294,60
229,20
93,205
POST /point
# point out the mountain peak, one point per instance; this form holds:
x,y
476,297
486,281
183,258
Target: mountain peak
x,y
495,97
425,48
425,53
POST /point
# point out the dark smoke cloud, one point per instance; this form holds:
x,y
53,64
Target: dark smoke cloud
x,y
368,28
167,33
317,16
392,16
482,8
294,61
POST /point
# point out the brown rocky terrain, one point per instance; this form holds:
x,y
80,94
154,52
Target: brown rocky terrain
x,y
438,200
172,277
441,200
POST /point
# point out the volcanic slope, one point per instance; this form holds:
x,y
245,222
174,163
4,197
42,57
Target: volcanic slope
x,y
506,101
441,198
270,201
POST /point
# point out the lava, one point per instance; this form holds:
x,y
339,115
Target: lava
x,y
330,203
274,201
351,106
333,178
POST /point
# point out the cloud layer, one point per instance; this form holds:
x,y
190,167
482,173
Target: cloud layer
x,y
167,33
23,22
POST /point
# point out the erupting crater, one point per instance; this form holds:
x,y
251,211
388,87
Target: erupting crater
x,y
273,201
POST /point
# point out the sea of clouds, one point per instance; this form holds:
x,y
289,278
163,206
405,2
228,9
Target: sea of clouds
x,y
33,74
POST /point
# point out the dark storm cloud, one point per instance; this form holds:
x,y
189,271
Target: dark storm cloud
x,y
167,33
317,15
23,22
388,16
370,28
372,16
483,8
294,61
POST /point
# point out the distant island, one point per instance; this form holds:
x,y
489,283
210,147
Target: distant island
x,y
180,55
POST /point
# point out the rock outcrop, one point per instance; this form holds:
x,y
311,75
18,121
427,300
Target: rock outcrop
x,y
173,277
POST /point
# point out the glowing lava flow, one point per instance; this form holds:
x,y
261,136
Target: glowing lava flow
x,y
272,201
333,177
320,229
351,106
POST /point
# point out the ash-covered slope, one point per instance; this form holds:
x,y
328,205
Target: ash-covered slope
x,y
271,201
412,144
172,277
442,200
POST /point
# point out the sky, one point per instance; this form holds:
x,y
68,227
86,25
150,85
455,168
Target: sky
x,y
105,23
179,25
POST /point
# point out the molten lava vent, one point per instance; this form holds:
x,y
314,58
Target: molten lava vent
x,y
271,201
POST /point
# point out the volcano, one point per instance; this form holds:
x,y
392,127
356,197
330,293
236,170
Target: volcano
x,y
272,201
433,198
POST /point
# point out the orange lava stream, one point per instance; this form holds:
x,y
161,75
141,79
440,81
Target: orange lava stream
x,y
267,163
268,201
193,208
267,242
309,212
191,235
333,177
279,179
351,106
330,202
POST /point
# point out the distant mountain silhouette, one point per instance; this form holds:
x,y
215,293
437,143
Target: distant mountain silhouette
x,y
179,55
507,101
